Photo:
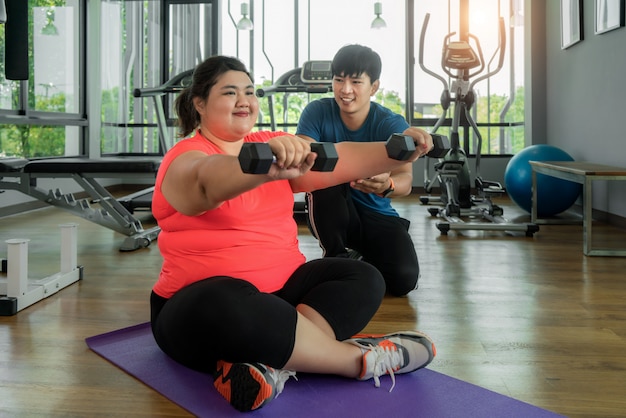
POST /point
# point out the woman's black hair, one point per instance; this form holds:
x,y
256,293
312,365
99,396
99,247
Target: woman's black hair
x,y
205,76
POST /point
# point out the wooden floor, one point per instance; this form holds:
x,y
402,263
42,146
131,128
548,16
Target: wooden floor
x,y
531,318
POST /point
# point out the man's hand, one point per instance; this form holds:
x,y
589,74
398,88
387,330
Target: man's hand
x,y
423,140
376,184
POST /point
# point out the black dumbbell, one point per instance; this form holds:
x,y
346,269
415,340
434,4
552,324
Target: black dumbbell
x,y
401,147
326,156
257,157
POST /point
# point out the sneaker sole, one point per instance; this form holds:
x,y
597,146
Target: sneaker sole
x,y
243,386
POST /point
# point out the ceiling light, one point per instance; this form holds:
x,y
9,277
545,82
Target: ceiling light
x,y
244,23
378,22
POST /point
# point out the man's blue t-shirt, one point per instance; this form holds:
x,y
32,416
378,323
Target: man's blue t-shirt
x,y
321,121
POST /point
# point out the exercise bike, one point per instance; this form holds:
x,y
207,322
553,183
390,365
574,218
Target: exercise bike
x,y
461,63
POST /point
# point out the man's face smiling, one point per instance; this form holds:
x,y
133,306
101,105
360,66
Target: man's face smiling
x,y
352,93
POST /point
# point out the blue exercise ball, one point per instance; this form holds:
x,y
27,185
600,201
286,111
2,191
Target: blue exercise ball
x,y
553,195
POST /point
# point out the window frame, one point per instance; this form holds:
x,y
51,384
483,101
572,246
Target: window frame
x,y
25,116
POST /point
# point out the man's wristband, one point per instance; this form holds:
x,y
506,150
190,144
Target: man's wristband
x,y
389,190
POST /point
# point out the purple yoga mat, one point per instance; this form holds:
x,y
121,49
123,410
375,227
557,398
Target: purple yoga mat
x,y
424,393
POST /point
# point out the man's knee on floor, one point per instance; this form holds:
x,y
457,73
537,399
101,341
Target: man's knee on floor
x,y
402,283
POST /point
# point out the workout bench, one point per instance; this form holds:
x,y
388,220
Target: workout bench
x,y
585,174
22,175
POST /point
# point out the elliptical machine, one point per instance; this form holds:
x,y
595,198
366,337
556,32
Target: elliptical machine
x,y
452,171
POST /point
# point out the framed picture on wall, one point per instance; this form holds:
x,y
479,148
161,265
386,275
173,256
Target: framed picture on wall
x,y
609,15
571,22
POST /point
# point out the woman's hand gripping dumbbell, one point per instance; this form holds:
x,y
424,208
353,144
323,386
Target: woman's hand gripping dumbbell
x,y
257,157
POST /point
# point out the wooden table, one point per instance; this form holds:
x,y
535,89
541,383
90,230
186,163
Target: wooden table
x,y
585,174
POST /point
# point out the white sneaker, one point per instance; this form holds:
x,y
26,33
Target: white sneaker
x,y
400,352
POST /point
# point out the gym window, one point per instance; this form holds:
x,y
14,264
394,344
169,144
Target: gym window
x,y
499,103
42,110
148,43
405,88
145,42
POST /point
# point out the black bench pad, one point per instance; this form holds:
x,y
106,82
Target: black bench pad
x,y
100,165
12,165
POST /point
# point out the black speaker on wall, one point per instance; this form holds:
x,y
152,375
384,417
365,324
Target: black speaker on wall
x,y
16,40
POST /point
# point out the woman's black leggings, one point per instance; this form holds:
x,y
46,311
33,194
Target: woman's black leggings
x,y
224,318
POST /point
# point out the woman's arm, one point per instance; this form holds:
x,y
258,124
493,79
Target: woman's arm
x,y
360,160
196,182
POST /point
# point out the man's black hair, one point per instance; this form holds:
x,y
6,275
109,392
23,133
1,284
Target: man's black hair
x,y
354,60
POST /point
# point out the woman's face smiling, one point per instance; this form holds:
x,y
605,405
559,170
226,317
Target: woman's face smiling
x,y
231,108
